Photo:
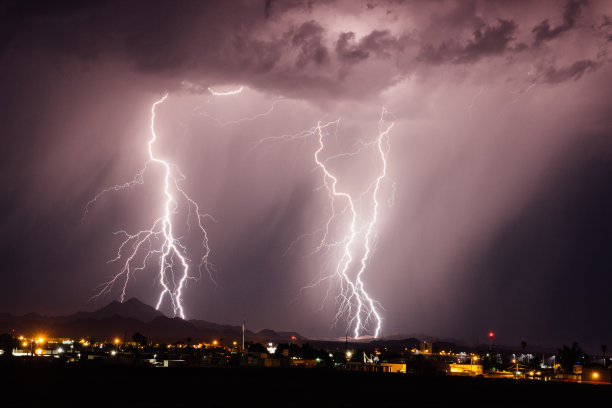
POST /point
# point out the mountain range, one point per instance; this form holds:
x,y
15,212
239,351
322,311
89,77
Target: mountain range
x,y
122,319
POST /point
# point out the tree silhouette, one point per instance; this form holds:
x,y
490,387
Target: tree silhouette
x,y
570,356
7,343
139,339
255,347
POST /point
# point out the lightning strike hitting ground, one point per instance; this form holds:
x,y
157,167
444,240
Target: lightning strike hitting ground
x,y
160,239
356,244
355,303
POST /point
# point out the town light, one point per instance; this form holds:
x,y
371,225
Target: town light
x,y
116,341
39,351
215,342
595,376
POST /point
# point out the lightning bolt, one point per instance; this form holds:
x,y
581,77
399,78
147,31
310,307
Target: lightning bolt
x,y
234,92
356,244
160,240
354,301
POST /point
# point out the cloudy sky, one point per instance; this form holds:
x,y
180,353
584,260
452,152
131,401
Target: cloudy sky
x,y
494,215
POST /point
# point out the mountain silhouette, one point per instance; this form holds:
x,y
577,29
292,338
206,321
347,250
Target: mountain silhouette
x,y
131,308
122,319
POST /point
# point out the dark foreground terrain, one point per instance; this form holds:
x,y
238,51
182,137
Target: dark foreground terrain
x,y
44,385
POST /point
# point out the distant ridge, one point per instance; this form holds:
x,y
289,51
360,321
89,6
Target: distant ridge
x,y
131,308
122,319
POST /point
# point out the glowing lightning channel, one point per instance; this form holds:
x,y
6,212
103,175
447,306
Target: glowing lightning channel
x,y
143,243
354,301
356,245
234,92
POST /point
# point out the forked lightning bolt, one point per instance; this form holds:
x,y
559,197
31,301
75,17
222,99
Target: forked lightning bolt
x,y
355,303
160,239
356,242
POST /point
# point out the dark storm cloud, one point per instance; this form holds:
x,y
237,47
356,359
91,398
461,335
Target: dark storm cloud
x,y
309,38
347,52
215,41
487,41
380,43
576,70
210,41
606,27
571,12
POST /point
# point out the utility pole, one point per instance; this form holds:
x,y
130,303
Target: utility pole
x,y
243,335
346,342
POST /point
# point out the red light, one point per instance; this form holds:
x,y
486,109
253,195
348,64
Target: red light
x,y
293,337
491,334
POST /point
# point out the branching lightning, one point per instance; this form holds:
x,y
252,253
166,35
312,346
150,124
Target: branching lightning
x,y
350,228
355,303
159,240
356,243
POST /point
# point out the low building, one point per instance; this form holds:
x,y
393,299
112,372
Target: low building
x,y
596,373
376,367
465,369
302,362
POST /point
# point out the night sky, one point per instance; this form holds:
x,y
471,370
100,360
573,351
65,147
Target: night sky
x,y
499,168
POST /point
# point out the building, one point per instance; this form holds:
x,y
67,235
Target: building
x,y
465,369
596,373
376,367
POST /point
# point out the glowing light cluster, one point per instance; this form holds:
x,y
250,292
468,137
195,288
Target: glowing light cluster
x,y
160,240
